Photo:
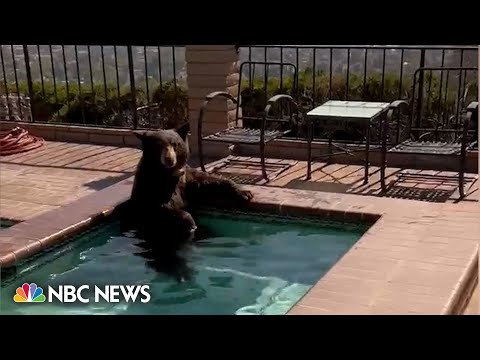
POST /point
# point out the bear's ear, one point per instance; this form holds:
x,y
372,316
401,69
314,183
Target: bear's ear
x,y
183,130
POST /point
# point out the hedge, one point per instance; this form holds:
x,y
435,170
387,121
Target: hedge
x,y
59,104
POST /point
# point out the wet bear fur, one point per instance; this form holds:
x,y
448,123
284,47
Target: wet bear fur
x,y
166,191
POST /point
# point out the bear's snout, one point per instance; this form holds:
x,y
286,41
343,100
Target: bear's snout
x,y
169,157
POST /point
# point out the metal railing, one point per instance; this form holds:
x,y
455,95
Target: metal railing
x,y
93,85
367,73
106,85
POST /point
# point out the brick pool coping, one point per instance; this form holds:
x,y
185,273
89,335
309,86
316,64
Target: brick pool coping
x,y
416,258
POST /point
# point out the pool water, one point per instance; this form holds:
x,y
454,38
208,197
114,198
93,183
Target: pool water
x,y
247,264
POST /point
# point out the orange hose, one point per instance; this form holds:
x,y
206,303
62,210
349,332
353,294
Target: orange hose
x,y
18,140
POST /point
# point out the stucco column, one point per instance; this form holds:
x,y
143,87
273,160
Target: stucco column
x,y
211,68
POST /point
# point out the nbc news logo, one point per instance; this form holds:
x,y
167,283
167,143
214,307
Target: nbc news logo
x,y
31,293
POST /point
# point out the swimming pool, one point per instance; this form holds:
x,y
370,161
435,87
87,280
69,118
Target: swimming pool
x,y
246,264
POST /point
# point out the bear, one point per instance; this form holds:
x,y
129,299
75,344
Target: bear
x,y
166,190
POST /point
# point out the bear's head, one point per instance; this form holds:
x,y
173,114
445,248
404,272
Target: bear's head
x,y
166,148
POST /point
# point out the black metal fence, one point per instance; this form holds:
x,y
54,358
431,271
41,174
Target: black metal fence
x,y
368,73
105,85
346,72
93,85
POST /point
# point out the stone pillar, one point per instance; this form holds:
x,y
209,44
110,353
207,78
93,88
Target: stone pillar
x,y
211,68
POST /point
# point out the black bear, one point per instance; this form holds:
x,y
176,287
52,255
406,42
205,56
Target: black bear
x,y
166,190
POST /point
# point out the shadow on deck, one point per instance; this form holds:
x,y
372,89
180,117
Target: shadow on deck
x,y
348,179
59,173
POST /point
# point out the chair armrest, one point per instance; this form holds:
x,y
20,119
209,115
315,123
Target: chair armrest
x,y
209,98
471,109
398,104
467,118
473,106
276,98
223,94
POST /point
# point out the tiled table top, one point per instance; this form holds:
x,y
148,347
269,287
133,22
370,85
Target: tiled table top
x,y
349,109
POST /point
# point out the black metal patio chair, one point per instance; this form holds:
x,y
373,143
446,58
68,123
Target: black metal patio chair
x,y
255,122
435,127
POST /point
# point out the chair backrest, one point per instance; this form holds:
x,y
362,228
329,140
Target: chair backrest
x,y
439,96
263,80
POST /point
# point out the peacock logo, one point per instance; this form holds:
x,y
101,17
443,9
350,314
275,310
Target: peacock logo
x,y
29,293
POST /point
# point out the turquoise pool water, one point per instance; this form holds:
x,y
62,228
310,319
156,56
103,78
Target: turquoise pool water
x,y
246,264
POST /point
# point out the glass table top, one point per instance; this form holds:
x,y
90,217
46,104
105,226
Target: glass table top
x,y
349,109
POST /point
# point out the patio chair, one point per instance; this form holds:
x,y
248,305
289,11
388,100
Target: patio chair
x,y
254,123
435,133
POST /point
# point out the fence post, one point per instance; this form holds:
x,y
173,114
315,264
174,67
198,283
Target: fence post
x,y
29,81
132,86
421,78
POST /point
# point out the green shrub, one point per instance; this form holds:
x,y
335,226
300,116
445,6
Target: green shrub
x,y
109,106
102,106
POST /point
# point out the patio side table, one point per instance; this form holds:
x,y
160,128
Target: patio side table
x,y
340,112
